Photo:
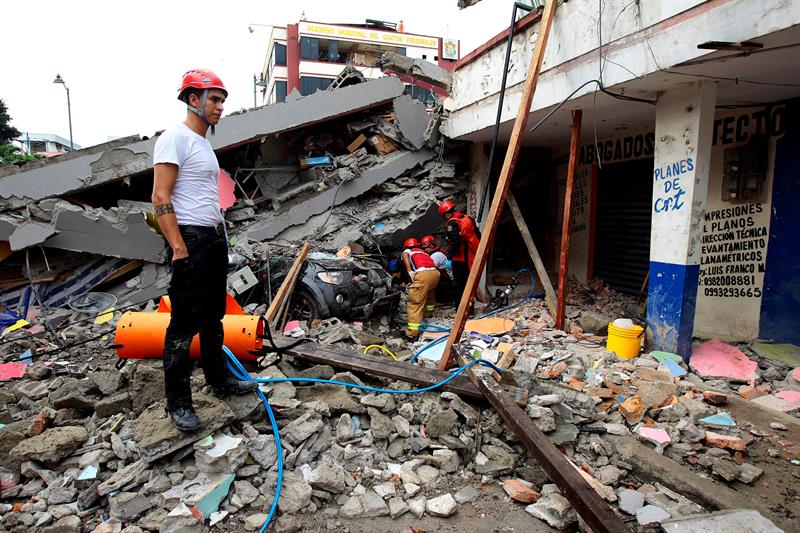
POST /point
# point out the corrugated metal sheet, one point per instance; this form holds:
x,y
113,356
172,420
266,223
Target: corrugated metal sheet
x,y
622,239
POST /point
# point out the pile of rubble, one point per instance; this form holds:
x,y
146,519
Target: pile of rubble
x,y
87,447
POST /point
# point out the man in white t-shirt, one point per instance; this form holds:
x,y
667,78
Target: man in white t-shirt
x,y
186,200
444,290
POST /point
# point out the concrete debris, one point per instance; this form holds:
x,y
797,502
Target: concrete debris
x,y
720,521
418,69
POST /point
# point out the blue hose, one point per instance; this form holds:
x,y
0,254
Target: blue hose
x,y
241,373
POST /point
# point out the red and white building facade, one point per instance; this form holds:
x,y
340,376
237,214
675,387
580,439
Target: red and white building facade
x,y
308,56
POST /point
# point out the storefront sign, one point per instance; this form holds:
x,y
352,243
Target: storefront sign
x,y
345,33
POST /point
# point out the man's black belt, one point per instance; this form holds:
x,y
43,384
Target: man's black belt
x,y
219,229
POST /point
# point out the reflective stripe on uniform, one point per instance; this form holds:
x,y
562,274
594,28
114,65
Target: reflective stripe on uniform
x,y
430,307
413,326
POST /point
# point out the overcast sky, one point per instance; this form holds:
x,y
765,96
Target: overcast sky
x,y
122,60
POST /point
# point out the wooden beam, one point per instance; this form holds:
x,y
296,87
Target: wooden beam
x,y
387,368
586,501
507,356
287,286
549,292
566,235
510,162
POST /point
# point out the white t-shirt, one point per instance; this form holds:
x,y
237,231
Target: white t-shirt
x,y
439,258
195,196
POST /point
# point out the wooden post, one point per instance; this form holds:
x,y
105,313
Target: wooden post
x,y
563,267
287,286
549,291
514,145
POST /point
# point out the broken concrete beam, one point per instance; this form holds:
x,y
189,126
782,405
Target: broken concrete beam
x,y
419,69
412,119
158,437
63,176
318,107
99,232
391,167
30,234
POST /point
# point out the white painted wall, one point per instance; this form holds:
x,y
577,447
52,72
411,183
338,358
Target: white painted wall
x,y
646,37
729,295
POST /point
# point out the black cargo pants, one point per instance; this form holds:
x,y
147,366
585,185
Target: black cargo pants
x,y
197,293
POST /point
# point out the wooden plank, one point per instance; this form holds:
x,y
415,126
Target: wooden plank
x,y
549,292
387,368
288,284
586,501
566,235
507,356
510,162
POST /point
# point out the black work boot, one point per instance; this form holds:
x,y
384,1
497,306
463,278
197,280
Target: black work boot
x,y
184,418
233,386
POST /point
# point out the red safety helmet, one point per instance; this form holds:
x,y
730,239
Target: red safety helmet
x,y
202,79
411,242
445,206
427,239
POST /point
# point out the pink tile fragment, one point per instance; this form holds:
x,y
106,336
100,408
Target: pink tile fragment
x,y
656,435
716,359
796,374
12,370
792,397
772,401
292,324
225,189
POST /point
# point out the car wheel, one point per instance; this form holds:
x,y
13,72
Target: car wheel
x,y
303,306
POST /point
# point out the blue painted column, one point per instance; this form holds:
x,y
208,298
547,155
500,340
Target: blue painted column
x,y
684,126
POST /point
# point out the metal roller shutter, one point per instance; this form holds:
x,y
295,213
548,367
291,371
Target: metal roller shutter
x,y
622,238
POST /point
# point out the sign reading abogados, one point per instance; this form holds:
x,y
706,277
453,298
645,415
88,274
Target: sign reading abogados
x,y
345,33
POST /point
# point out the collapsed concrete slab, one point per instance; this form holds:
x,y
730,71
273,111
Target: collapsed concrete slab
x,y
392,166
64,176
418,69
412,119
30,234
100,232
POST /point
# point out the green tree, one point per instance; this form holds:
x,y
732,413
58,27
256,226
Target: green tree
x,y
7,131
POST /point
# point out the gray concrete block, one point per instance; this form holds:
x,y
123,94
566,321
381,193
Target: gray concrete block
x,y
392,166
412,119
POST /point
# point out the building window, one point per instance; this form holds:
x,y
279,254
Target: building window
x,y
280,91
309,48
280,54
310,85
423,95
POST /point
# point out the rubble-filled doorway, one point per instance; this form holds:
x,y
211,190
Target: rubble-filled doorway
x,y
622,236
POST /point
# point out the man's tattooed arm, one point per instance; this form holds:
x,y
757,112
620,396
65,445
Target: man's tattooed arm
x,y
164,209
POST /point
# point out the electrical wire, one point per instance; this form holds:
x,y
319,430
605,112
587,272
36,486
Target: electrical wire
x,y
383,349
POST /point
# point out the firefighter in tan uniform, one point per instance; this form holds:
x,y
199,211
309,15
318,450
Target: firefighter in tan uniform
x,y
424,280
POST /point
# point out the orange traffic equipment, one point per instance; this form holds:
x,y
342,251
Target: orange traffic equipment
x,y
141,335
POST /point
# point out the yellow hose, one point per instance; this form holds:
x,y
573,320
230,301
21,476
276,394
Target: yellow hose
x,y
383,348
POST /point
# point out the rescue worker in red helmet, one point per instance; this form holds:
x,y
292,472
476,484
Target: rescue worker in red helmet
x,y
463,238
444,291
422,290
186,201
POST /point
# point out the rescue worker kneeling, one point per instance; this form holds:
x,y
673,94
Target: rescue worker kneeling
x,y
422,290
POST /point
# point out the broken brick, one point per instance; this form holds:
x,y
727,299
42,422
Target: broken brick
x,y
520,490
632,409
556,370
716,440
715,398
749,392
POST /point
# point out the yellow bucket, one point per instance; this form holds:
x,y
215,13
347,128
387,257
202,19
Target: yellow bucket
x,y
626,343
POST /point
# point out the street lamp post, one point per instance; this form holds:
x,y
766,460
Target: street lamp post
x,y
60,80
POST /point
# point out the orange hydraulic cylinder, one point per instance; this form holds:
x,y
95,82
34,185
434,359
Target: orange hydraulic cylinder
x,y
141,336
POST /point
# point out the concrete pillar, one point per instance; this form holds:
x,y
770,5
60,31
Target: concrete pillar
x,y
684,124
292,58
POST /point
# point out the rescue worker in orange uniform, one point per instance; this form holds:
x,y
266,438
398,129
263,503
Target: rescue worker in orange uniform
x,y
463,237
422,290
